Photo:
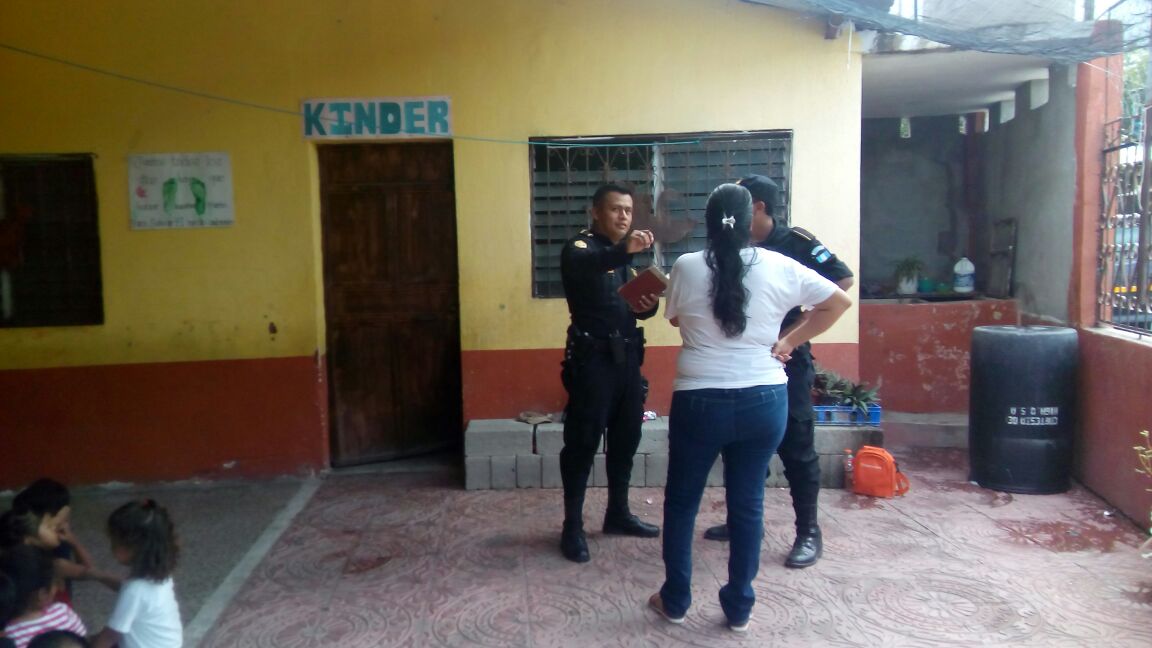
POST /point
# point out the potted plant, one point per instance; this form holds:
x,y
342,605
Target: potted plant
x,y
839,401
908,272
859,397
828,386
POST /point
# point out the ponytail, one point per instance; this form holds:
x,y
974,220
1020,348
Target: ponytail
x,y
728,217
145,528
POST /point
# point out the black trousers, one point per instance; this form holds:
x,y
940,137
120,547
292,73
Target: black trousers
x,y
798,448
604,397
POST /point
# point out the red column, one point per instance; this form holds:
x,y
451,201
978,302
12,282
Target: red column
x,y
1099,89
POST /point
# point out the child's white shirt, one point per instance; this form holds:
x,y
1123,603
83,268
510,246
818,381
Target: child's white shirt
x,y
147,615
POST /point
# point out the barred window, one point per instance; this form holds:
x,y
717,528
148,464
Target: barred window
x,y
671,175
49,242
1124,297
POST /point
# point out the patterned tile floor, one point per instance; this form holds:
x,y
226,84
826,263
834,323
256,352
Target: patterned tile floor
x,y
412,560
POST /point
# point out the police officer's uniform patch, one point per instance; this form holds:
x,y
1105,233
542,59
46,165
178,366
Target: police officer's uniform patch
x,y
821,254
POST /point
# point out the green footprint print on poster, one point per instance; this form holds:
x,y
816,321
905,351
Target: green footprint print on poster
x,y
169,196
199,195
176,190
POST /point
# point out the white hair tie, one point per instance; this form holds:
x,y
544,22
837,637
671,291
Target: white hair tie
x,y
729,222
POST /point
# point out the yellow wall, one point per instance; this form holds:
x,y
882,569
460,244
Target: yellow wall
x,y
513,69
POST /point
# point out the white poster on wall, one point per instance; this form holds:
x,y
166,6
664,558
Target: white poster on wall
x,y
173,190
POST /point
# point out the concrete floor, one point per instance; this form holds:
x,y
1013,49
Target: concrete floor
x,y
403,556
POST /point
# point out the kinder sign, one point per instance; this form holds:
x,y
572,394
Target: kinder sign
x,y
385,118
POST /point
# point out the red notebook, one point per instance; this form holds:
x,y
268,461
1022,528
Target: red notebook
x,y
650,281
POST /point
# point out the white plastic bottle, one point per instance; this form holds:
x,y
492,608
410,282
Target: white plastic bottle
x,y
964,273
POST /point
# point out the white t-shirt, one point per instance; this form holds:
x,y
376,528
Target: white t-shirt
x,y
147,615
711,360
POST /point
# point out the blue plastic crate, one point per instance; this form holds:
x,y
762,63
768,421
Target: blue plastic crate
x,y
846,415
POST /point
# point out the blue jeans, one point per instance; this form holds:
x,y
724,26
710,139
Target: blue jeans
x,y
745,425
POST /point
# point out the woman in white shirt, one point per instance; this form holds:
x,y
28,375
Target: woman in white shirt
x,y
730,394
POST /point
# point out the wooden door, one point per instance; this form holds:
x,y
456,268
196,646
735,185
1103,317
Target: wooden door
x,y
391,294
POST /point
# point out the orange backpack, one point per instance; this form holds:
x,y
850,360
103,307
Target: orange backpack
x,y
875,473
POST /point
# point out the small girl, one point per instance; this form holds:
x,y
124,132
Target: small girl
x,y
146,613
28,592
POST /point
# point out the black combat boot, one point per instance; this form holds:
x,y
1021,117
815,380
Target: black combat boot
x,y
618,519
573,543
718,532
807,548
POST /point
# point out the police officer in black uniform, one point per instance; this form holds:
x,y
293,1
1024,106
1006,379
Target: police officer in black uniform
x,y
798,448
601,368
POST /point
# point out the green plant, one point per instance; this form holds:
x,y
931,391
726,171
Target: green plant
x,y
909,267
859,397
830,388
1144,454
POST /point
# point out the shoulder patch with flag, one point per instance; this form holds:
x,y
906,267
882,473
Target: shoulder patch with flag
x,y
821,254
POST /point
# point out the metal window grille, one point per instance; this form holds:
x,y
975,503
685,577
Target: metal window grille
x,y
49,242
671,175
1123,259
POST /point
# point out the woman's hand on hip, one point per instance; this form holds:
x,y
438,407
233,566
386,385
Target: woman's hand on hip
x,y
782,350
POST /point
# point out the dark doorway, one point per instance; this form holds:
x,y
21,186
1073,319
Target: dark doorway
x,y
391,291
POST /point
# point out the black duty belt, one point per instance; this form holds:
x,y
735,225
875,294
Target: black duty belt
x,y
603,344
619,347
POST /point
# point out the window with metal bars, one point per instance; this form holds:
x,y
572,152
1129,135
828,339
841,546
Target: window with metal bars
x,y
671,174
1125,287
49,242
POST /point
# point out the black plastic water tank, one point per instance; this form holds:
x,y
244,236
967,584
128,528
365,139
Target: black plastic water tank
x,y
1021,408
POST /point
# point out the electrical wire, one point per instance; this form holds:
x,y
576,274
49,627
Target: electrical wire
x,y
296,113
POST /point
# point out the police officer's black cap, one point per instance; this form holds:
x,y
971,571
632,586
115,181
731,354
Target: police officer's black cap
x,y
763,189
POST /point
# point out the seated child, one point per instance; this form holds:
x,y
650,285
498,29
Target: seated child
x,y
41,516
28,599
146,614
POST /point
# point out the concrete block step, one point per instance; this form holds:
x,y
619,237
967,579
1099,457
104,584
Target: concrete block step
x,y
926,430
505,453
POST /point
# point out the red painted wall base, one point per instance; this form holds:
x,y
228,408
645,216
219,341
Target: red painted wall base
x,y
917,354
245,418
1115,381
501,384
163,421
